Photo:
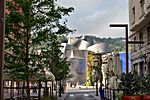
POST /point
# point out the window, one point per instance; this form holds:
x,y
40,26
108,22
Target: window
x,y
134,48
142,3
135,67
148,35
148,67
141,39
133,13
141,71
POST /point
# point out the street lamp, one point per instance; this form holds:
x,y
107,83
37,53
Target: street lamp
x,y
96,74
127,42
2,31
126,36
98,70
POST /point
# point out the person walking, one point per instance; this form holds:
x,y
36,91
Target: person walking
x,y
101,91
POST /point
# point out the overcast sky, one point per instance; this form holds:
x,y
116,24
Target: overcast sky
x,y
92,17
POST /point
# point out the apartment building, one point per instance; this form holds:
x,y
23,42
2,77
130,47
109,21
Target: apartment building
x,y
139,21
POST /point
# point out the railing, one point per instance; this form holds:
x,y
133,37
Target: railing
x,y
19,92
111,94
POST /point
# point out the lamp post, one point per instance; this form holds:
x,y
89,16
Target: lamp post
x,y
98,71
127,42
2,31
96,75
126,36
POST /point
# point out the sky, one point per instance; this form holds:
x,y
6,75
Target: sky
x,y
93,17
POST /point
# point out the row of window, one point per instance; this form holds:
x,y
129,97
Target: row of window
x,y
142,6
142,67
141,38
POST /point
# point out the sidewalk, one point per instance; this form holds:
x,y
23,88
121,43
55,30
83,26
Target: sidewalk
x,y
62,97
96,97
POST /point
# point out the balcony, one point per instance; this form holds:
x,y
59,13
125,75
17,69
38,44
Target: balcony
x,y
143,18
148,6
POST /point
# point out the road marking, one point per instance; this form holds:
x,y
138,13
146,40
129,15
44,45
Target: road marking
x,y
71,95
86,95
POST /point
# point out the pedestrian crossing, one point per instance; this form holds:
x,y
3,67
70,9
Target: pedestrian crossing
x,y
86,95
71,95
80,95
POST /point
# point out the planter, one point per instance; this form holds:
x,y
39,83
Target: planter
x,y
146,97
131,97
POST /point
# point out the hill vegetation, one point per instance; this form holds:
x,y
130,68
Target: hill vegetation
x,y
114,43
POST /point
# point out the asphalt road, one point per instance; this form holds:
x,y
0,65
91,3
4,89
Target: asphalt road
x,y
85,95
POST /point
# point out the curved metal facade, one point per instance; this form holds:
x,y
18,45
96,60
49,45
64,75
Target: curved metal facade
x,y
76,50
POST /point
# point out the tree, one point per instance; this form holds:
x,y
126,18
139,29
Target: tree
x,y
58,66
30,25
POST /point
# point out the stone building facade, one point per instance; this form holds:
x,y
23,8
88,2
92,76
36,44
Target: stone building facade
x,y
139,22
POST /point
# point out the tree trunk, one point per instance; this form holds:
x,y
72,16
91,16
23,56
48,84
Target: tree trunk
x,y
2,31
39,93
60,88
26,62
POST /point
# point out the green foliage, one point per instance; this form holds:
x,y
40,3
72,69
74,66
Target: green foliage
x,y
119,95
31,26
133,84
130,84
59,66
145,87
62,39
114,43
91,80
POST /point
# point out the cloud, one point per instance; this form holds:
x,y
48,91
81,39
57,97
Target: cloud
x,y
89,24
80,3
94,16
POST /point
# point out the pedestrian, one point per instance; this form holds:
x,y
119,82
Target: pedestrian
x,y
101,91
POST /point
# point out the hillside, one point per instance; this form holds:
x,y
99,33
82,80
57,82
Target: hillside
x,y
115,43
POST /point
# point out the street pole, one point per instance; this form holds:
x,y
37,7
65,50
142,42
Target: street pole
x,y
96,77
127,42
96,86
127,55
98,70
2,31
126,36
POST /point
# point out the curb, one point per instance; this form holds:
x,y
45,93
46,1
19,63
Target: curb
x,y
95,97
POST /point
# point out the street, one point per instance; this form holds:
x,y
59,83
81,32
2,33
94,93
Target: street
x,y
81,94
